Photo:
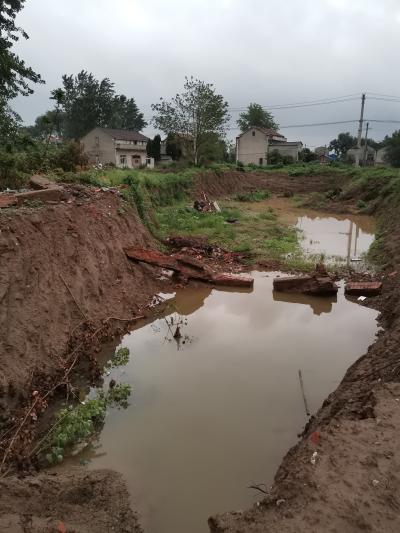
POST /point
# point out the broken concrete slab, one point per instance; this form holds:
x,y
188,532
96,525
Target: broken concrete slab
x,y
187,267
39,183
7,200
317,285
233,280
363,288
44,195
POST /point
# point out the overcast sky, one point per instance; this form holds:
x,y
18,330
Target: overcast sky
x,y
263,51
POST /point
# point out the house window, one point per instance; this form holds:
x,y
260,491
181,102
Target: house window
x,y
148,161
260,161
134,142
253,133
122,160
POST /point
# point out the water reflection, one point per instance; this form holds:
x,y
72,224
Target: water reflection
x,y
217,415
318,304
342,238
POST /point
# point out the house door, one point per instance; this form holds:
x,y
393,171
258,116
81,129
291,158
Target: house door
x,y
136,160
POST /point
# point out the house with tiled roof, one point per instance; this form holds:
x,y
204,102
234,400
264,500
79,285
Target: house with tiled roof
x,y
257,144
122,148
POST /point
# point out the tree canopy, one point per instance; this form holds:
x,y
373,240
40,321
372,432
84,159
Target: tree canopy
x,y
256,115
342,144
15,75
392,149
192,115
154,148
86,102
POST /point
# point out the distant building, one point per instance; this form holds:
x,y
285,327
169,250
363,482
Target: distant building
x,y
323,156
256,145
380,157
165,158
122,148
365,155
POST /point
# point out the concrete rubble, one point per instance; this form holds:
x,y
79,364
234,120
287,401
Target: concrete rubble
x,y
188,267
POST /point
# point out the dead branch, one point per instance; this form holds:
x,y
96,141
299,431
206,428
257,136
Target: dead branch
x,y
72,296
258,487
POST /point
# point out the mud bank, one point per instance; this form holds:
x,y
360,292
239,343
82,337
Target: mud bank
x,y
76,501
228,183
60,266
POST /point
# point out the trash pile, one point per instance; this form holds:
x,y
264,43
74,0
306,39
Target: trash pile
x,y
205,205
200,248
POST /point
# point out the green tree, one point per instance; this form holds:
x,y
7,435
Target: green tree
x,y
342,144
256,115
15,75
127,115
86,102
44,126
307,155
191,115
212,149
392,149
154,148
173,147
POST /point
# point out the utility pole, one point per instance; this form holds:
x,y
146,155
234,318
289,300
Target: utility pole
x,y
365,145
360,130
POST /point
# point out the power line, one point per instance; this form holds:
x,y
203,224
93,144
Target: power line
x,y
384,95
313,124
299,104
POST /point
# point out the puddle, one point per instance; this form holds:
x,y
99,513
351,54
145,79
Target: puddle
x,y
217,411
343,239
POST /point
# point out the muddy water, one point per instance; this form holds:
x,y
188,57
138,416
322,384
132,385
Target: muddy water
x,y
217,411
340,238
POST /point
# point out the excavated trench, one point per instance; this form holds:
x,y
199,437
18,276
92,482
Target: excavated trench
x,y
209,416
213,412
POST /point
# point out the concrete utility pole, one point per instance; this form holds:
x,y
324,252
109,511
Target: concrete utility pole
x,y
365,145
360,130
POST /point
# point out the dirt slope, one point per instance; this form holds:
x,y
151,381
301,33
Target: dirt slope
x,y
60,265
228,183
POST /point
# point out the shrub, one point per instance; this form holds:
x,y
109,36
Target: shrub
x,y
252,196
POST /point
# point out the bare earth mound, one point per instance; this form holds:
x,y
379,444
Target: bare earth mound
x,y
85,503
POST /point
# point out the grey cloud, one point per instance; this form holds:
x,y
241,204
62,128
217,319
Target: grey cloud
x,y
252,50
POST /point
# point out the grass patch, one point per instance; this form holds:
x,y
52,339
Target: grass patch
x,y
253,196
259,234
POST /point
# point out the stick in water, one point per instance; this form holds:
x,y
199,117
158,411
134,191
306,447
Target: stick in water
x,y
304,394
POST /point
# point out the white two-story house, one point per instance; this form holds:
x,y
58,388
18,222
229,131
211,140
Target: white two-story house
x,y
122,148
256,145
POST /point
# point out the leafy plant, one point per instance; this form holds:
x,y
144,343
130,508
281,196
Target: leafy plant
x,y
120,358
76,423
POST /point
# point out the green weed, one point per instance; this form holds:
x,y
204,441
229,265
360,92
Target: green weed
x,y
253,196
79,422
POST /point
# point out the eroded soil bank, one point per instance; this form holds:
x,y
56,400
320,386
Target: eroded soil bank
x,y
63,273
